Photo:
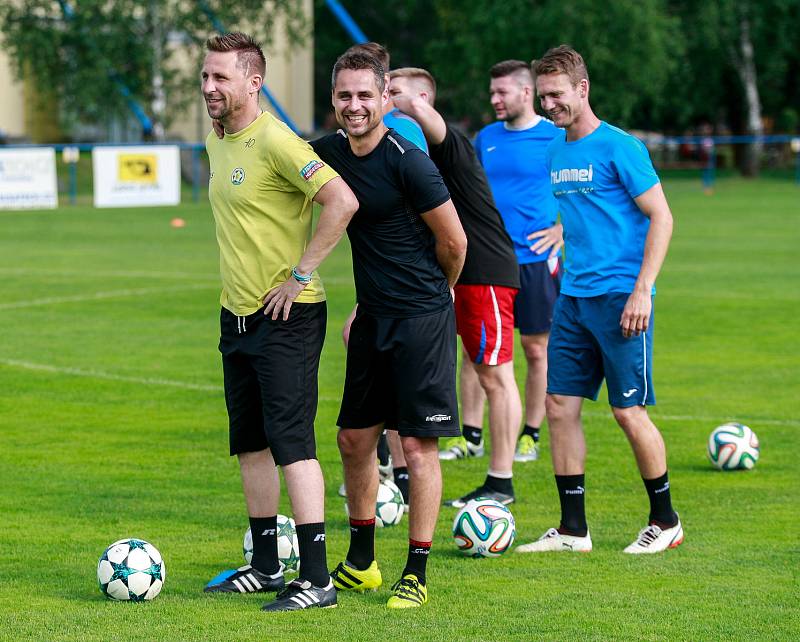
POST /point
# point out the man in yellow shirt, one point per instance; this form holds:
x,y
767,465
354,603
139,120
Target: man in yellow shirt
x,y
263,179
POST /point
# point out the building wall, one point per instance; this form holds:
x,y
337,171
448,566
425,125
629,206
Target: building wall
x,y
12,114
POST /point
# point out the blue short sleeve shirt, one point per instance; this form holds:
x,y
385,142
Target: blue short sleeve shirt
x,y
515,164
407,127
595,181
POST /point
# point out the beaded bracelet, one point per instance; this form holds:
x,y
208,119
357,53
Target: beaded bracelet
x,y
300,278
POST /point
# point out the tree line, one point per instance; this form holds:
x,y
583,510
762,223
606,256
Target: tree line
x,y
660,65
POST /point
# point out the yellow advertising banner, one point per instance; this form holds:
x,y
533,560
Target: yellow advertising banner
x,y
137,168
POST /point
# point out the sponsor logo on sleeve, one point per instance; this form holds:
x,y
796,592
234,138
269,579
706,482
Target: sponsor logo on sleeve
x,y
309,170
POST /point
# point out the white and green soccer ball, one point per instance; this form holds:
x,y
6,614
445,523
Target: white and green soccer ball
x,y
733,447
288,549
484,528
389,505
131,570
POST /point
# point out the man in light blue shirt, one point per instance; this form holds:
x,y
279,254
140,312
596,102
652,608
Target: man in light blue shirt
x,y
617,228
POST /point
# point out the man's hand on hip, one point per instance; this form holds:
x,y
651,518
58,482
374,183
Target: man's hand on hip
x,y
551,238
282,297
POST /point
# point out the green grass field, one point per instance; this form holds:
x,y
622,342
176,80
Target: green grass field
x,y
112,424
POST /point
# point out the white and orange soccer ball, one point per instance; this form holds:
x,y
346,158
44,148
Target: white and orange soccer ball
x,y
733,447
484,528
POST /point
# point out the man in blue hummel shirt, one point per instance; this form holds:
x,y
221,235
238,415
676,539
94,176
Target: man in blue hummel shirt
x,y
617,228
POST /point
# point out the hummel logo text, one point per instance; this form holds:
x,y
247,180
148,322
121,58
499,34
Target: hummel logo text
x,y
438,418
629,393
320,537
573,175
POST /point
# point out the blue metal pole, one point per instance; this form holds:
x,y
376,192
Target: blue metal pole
x,y
195,174
73,183
797,156
709,171
346,21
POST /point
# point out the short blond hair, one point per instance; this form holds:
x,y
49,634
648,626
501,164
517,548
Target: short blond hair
x,y
418,75
561,60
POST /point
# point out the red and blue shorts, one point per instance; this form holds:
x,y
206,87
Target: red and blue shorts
x,y
485,321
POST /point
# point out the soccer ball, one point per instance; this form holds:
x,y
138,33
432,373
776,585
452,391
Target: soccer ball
x,y
733,446
484,528
288,549
131,569
389,506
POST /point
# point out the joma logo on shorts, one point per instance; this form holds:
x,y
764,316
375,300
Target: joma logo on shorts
x,y
438,418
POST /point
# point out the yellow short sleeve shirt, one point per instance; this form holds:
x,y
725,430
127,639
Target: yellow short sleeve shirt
x,y
263,179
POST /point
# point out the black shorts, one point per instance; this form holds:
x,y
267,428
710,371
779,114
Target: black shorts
x,y
402,373
270,369
540,284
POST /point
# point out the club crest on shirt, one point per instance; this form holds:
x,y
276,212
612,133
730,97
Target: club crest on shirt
x,y
237,176
309,170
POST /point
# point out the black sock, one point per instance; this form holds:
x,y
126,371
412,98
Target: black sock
x,y
472,434
533,431
313,557
362,543
417,561
573,515
660,501
401,481
499,484
383,450
265,544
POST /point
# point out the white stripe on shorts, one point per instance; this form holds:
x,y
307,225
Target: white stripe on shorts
x,y
498,341
644,373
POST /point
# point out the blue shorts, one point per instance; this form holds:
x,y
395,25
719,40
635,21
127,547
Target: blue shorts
x,y
586,345
539,286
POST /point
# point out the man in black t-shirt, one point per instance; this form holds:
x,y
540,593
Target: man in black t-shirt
x,y
484,295
408,250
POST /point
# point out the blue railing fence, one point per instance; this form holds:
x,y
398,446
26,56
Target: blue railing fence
x,y
698,153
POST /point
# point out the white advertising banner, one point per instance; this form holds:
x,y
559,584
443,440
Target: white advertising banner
x,y
136,175
28,178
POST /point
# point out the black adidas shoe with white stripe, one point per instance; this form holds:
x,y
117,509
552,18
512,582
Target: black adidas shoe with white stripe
x,y
246,580
302,594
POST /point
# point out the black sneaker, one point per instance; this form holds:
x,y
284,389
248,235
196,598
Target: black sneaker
x,y
302,594
245,580
483,492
